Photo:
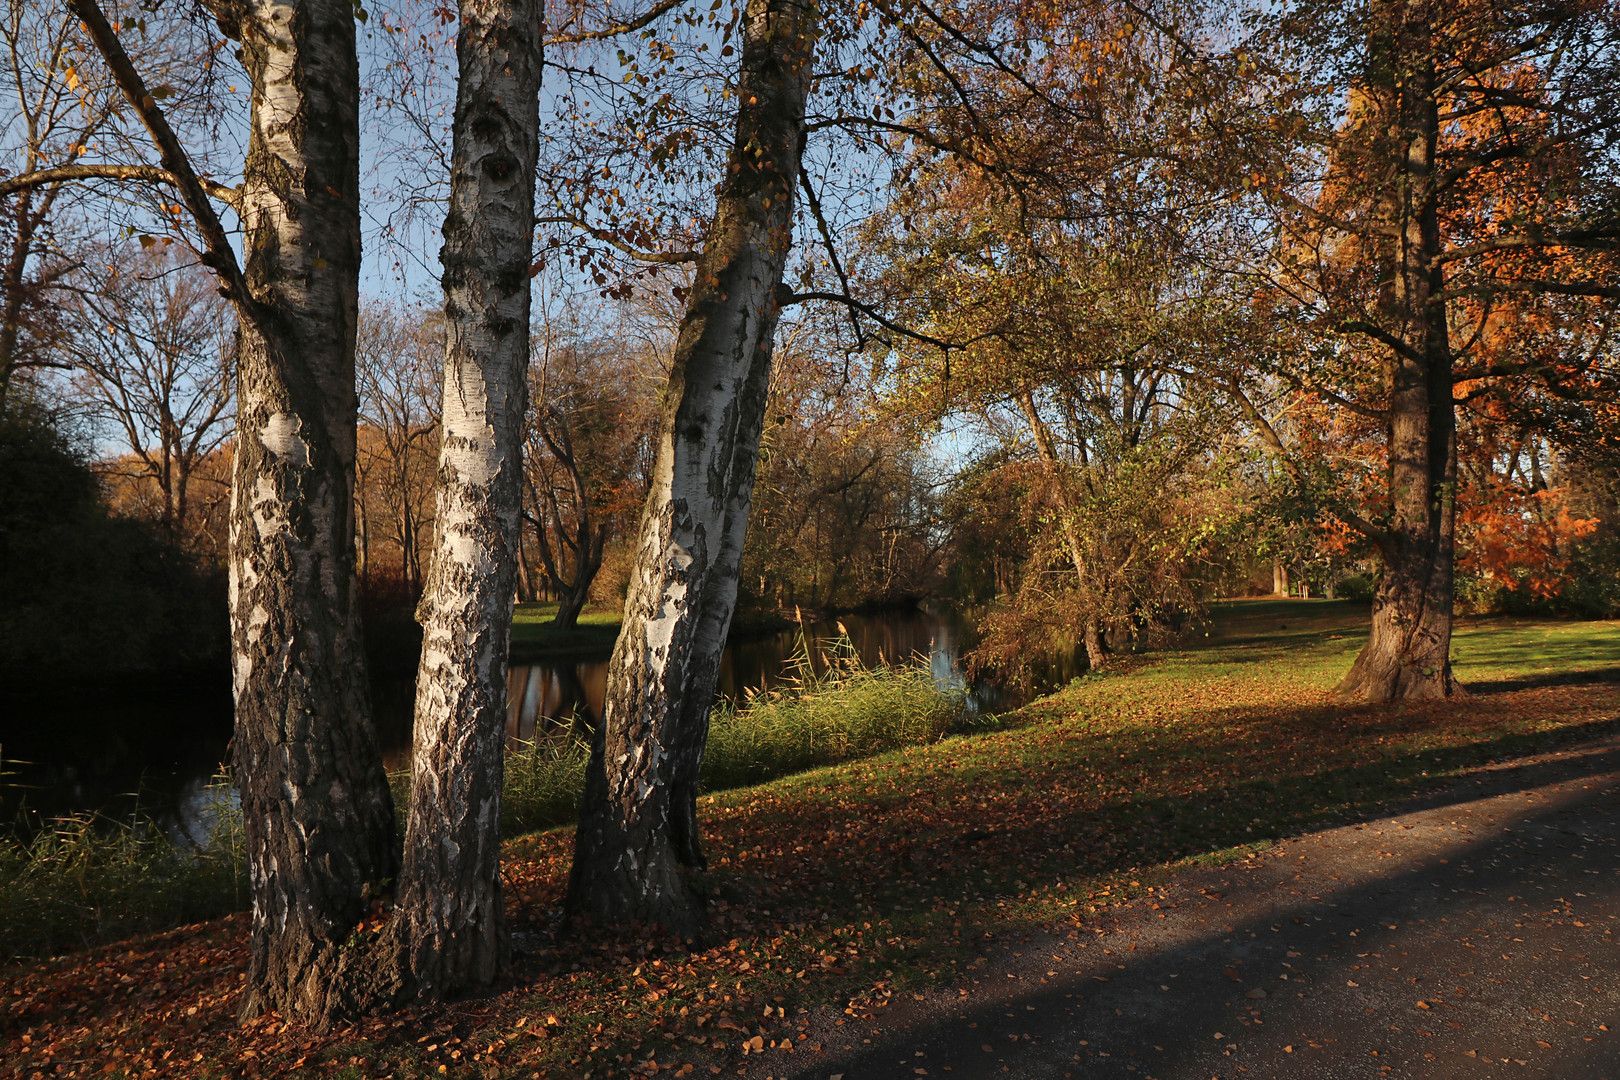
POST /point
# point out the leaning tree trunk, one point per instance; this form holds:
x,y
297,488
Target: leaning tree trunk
x,y
1091,633
315,801
1409,652
638,821
449,919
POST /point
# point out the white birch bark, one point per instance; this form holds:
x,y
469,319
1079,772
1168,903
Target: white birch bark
x,y
315,802
449,915
638,822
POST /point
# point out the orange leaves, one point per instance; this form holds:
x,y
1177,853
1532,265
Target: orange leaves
x,y
1520,538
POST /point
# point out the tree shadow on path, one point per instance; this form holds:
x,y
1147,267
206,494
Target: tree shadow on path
x,y
1465,933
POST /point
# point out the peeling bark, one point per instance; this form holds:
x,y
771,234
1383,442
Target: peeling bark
x,y
638,822
315,802
448,921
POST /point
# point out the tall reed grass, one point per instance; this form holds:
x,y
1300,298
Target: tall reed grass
x,y
85,879
830,708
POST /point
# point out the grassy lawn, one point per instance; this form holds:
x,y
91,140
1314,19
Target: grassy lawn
x,y
534,634
839,888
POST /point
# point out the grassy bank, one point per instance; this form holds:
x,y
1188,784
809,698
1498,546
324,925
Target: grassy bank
x,y
83,880
535,635
842,888
846,712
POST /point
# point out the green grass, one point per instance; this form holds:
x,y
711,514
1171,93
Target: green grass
x,y
909,866
847,711
84,880
1516,651
534,634
839,887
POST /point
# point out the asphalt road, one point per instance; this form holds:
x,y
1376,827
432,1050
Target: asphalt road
x,y
1472,935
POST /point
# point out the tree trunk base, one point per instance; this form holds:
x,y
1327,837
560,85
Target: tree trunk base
x,y
336,983
1385,672
654,896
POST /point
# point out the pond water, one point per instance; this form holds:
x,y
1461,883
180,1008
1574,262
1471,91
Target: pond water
x,y
155,746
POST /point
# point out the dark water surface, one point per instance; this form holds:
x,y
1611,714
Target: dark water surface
x,y
114,747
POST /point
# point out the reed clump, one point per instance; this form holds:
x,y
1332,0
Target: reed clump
x,y
830,708
85,879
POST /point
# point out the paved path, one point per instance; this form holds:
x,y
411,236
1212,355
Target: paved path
x,y
1472,935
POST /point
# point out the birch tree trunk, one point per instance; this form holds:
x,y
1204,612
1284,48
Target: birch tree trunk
x,y
315,801
638,821
449,918
1408,654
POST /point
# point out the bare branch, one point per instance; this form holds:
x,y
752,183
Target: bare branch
x,y
217,253
629,26
149,174
610,238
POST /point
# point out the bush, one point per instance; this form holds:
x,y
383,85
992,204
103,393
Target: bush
x,y
1355,587
84,880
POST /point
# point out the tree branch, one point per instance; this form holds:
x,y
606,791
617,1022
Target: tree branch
x,y
149,174
217,251
629,26
666,257
877,317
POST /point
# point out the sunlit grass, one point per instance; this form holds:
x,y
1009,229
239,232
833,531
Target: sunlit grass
x,y
811,719
535,634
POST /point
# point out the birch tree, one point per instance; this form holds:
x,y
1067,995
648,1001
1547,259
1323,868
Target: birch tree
x,y
448,918
638,821
315,801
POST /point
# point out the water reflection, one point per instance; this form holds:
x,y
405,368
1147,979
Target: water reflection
x,y
547,699
115,747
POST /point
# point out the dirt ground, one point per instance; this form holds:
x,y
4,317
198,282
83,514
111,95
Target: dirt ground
x,y
1469,935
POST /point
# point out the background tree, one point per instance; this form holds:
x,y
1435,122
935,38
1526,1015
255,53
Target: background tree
x,y
63,139
151,344
1471,174
590,429
399,361
846,505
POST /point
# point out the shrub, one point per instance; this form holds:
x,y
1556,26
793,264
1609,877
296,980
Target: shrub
x,y
846,711
1357,586
82,590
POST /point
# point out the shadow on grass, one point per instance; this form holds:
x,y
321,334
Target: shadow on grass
x,y
841,886
920,856
1157,1010
1592,677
